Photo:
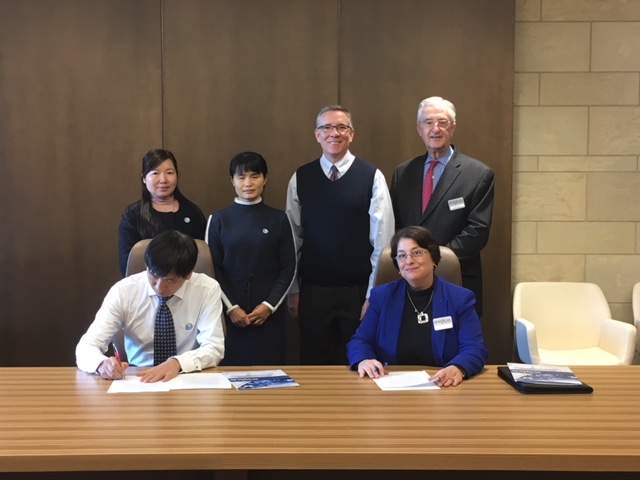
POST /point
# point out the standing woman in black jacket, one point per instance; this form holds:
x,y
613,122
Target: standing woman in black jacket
x,y
254,257
162,206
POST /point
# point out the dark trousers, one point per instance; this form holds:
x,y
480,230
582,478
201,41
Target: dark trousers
x,y
329,316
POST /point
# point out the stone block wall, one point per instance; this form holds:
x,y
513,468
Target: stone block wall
x,y
576,173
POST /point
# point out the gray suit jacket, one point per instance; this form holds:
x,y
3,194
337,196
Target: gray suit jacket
x,y
465,230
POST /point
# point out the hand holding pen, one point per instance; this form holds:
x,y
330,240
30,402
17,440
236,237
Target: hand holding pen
x,y
113,368
372,368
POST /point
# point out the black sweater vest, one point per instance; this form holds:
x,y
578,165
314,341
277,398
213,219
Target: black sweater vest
x,y
336,250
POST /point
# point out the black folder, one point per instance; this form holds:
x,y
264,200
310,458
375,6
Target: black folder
x,y
505,374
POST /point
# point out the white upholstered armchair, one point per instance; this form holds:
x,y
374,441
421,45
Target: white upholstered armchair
x,y
565,323
635,302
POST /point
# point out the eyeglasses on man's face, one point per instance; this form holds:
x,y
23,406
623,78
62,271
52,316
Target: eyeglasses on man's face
x,y
433,122
416,254
341,129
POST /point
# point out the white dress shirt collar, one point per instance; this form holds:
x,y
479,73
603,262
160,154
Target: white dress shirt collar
x,y
342,165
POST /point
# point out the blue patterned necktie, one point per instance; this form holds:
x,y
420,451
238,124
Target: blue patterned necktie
x,y
164,335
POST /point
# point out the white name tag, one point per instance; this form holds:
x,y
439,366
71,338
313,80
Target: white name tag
x,y
456,203
442,323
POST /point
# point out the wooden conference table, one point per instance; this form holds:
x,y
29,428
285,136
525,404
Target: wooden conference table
x,y
60,419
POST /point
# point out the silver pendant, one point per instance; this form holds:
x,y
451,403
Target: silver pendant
x,y
423,318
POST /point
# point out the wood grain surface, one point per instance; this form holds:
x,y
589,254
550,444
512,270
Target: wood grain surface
x,y
60,419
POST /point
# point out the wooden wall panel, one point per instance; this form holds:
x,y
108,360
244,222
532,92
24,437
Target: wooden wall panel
x,y
87,87
247,75
395,54
80,101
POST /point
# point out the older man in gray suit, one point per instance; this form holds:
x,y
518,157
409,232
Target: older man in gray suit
x,y
447,192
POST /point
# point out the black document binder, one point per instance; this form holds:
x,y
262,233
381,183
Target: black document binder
x,y
505,374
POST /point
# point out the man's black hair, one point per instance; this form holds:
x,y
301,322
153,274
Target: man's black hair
x,y
171,252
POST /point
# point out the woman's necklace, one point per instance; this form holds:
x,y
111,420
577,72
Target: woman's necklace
x,y
422,316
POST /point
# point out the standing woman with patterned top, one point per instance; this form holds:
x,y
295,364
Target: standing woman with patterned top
x,y
255,262
162,206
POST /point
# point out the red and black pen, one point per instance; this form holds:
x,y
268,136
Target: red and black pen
x,y
116,353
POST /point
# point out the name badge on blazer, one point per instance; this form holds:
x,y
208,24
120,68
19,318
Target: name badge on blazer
x,y
456,203
442,323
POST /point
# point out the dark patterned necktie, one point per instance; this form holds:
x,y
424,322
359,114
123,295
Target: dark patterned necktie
x,y
164,335
427,188
333,174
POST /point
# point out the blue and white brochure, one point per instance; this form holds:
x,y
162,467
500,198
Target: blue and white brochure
x,y
543,374
259,379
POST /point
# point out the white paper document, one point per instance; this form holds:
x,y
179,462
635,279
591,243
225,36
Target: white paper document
x,y
185,381
132,384
406,381
193,381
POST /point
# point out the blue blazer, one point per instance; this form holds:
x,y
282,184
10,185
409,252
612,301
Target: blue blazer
x,y
377,335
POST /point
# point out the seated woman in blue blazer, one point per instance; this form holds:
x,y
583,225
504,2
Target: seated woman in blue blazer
x,y
420,319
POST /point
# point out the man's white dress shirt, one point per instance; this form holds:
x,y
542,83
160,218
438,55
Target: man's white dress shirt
x,y
131,304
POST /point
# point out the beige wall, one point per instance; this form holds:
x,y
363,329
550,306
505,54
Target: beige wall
x,y
576,176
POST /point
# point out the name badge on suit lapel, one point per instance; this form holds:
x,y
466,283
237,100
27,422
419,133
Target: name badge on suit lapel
x,y
442,323
456,204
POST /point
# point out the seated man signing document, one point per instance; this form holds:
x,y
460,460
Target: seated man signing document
x,y
172,317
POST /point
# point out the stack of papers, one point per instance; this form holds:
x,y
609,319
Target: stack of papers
x,y
543,374
396,381
185,381
259,379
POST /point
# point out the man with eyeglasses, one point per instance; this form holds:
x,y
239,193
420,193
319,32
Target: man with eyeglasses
x,y
446,192
341,216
